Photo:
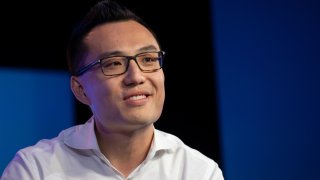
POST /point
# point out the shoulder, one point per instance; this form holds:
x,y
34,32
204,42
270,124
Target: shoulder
x,y
192,161
176,145
28,162
45,148
59,146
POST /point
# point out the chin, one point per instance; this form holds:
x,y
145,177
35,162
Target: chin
x,y
142,120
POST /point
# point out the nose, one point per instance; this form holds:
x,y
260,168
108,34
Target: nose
x,y
134,75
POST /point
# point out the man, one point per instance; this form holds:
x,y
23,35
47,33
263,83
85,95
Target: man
x,y
116,66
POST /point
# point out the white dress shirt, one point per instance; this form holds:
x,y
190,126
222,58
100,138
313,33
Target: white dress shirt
x,y
75,155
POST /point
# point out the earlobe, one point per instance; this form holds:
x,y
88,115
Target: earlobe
x,y
78,90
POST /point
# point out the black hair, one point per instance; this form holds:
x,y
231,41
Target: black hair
x,y
104,11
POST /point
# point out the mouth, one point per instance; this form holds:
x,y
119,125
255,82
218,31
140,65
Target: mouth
x,y
138,96
137,99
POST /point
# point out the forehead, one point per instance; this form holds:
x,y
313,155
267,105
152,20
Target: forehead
x,y
119,36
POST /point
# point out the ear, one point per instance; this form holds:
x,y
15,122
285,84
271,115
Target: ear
x,y
78,90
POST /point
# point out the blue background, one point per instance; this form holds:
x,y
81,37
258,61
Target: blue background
x,y
35,104
267,60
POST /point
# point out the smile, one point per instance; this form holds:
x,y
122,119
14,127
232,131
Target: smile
x,y
137,97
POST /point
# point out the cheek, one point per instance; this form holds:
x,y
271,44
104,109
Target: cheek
x,y
160,81
102,99
100,92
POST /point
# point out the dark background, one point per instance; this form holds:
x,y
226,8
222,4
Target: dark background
x,y
267,75
34,35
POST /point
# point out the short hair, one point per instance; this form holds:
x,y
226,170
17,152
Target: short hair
x,y
104,11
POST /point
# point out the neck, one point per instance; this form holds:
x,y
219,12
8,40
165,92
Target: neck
x,y
125,150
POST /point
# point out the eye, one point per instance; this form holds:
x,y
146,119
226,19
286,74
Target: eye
x,y
149,59
113,62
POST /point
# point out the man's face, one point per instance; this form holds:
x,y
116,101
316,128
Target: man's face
x,y
128,101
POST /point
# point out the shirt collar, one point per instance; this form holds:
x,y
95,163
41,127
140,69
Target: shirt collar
x,y
163,141
84,137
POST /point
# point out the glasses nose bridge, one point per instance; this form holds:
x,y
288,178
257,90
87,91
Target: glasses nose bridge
x,y
134,58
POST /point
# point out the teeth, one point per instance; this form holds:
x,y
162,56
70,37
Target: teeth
x,y
137,97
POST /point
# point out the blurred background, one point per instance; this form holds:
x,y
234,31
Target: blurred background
x,y
242,80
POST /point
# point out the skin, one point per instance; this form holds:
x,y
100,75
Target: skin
x,y
125,106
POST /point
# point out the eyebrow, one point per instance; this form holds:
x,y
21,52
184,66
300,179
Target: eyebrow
x,y
148,48
121,53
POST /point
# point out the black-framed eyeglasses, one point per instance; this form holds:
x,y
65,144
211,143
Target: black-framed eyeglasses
x,y
117,65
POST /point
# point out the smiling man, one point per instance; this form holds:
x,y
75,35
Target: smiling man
x,y
116,69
